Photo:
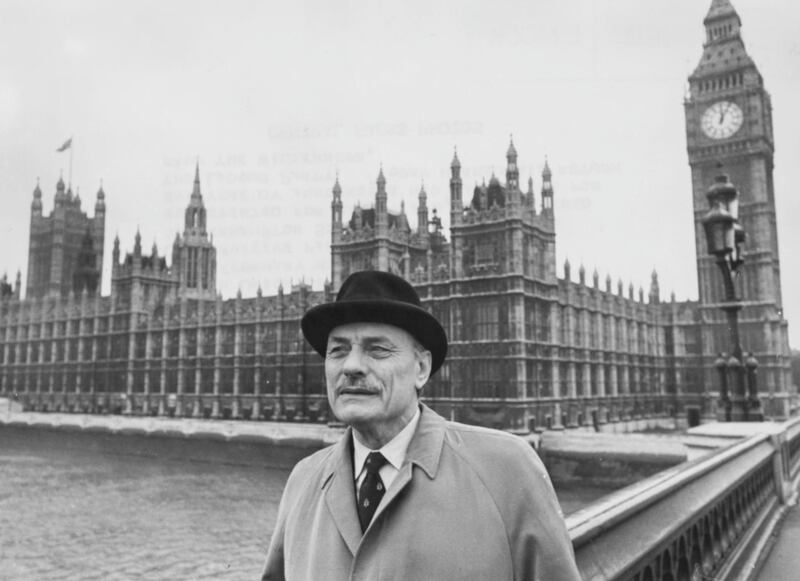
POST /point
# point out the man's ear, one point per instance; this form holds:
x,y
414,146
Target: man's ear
x,y
424,360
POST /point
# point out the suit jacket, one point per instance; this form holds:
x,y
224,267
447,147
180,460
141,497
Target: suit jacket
x,y
468,503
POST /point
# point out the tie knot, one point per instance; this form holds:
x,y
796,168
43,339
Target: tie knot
x,y
374,462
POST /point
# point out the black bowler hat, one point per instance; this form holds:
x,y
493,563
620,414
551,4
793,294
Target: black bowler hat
x,y
371,296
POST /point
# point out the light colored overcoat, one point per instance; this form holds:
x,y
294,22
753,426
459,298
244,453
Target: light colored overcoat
x,y
468,503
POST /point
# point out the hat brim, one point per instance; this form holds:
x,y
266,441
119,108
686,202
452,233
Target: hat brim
x,y
319,321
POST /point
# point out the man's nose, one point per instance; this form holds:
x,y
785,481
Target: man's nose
x,y
354,362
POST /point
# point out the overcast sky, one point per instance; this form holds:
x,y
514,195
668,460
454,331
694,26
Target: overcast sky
x,y
275,98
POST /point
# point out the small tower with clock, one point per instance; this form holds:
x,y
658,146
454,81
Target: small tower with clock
x,y
729,124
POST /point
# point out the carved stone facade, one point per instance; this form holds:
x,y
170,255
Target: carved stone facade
x,y
528,349
142,279
729,129
164,342
58,240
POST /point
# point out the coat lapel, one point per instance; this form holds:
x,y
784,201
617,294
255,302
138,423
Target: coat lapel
x,y
340,494
424,451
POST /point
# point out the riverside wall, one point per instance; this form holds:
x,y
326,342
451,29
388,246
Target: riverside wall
x,y
274,444
571,457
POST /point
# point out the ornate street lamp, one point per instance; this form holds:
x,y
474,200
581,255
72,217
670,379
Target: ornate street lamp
x,y
725,237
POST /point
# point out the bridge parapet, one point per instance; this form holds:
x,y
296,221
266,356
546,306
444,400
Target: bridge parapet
x,y
792,445
703,519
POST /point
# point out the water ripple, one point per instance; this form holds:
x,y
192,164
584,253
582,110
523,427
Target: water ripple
x,y
73,515
73,508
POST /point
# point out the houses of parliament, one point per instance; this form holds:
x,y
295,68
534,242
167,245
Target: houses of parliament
x,y
533,344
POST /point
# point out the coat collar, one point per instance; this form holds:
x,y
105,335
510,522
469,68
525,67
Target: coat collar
x,y
425,448
425,451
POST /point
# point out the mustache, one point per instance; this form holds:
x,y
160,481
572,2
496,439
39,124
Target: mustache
x,y
355,385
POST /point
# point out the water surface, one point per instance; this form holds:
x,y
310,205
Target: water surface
x,y
74,506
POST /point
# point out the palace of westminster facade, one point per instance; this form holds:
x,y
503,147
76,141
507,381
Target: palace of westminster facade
x,y
528,348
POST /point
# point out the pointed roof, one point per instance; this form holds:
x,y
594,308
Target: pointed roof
x,y
720,9
654,289
724,48
512,151
381,178
455,163
546,173
196,189
337,189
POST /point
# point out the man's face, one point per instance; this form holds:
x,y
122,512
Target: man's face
x,y
373,372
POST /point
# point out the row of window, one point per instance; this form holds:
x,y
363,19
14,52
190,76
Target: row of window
x,y
488,319
202,341
493,379
598,330
483,319
720,31
198,267
497,379
721,83
112,377
67,328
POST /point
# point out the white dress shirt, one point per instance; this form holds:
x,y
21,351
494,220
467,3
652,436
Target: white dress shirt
x,y
394,452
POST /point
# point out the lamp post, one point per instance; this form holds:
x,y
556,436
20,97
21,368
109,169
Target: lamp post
x,y
725,237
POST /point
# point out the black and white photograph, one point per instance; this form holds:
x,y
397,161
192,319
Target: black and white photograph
x,y
368,290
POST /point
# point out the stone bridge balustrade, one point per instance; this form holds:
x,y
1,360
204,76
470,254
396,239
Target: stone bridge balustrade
x,y
791,447
707,518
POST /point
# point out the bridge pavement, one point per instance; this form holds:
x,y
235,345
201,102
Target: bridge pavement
x,y
783,561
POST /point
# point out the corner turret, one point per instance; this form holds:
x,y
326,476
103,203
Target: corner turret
x,y
512,171
100,204
422,214
381,211
456,203
654,294
36,205
336,211
547,190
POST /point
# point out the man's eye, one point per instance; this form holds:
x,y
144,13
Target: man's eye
x,y
336,351
379,351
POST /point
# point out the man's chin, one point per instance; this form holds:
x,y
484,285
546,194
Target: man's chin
x,y
356,409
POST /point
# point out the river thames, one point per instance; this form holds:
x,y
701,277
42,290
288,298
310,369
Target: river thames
x,y
72,511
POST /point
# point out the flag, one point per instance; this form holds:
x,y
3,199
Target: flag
x,y
66,146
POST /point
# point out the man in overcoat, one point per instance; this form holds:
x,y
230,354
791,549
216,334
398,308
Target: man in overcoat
x,y
407,495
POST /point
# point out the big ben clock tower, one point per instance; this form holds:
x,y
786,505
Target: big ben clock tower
x,y
729,123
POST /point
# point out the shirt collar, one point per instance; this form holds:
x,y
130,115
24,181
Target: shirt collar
x,y
394,451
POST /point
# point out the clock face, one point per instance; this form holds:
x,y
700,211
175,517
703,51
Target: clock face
x,y
722,119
